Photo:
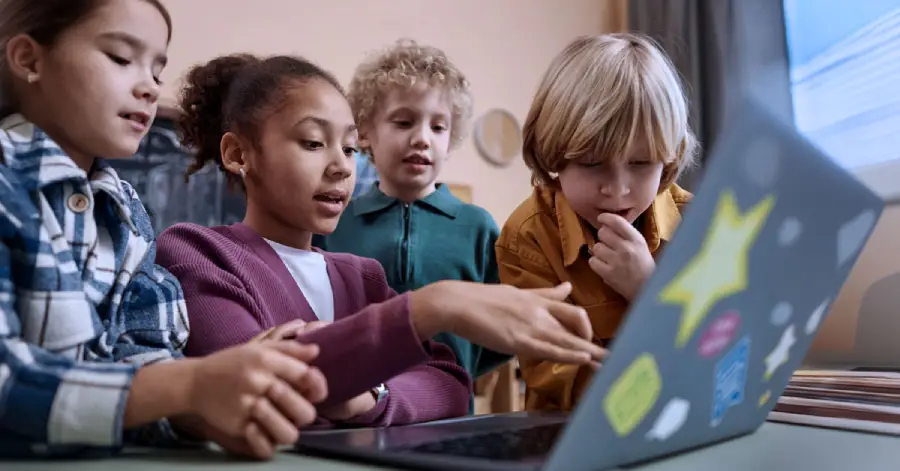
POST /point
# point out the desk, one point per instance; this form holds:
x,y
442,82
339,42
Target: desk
x,y
774,447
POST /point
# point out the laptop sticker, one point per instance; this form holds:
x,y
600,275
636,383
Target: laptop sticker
x,y
816,317
670,420
781,353
633,394
719,334
852,235
730,379
764,399
761,162
719,270
789,231
781,313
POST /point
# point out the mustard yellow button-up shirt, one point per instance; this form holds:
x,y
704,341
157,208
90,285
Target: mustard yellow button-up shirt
x,y
544,243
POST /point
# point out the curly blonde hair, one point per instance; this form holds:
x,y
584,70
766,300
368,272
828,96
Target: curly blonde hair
x,y
599,96
402,65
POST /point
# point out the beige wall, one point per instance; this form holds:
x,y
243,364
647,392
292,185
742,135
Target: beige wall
x,y
502,45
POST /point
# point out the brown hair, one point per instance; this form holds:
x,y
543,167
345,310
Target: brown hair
x,y
45,21
235,93
600,95
402,65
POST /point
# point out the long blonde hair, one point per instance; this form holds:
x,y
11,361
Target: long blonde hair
x,y
600,95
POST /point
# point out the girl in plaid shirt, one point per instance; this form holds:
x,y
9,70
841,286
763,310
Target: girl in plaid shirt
x,y
90,326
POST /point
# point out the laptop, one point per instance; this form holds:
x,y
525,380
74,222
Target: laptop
x,y
716,333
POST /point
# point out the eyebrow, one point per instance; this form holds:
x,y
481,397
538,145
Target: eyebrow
x,y
134,42
322,122
409,110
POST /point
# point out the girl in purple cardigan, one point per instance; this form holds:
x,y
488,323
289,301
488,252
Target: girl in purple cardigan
x,y
281,129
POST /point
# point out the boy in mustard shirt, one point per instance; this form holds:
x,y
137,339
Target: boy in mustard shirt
x,y
606,138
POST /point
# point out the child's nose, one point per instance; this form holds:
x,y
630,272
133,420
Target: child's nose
x,y
421,137
147,90
615,186
342,166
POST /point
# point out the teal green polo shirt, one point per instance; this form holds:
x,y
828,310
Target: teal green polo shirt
x,y
436,238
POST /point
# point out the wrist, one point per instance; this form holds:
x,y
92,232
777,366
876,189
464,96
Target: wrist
x,y
428,319
158,391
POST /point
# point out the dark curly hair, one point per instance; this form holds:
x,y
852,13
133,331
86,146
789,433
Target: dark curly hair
x,y
45,21
235,93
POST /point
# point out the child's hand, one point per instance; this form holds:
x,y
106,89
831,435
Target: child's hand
x,y
533,323
621,256
289,330
352,408
258,394
357,406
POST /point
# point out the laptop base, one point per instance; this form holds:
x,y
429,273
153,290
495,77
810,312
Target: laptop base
x,y
465,443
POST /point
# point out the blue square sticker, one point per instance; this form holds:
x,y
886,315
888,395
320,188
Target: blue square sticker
x,y
730,379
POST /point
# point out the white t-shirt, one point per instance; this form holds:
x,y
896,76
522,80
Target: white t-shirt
x,y
311,274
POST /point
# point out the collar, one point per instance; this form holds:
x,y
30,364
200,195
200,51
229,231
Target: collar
x,y
40,162
658,224
574,234
441,200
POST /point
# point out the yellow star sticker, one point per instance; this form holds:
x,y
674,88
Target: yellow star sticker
x,y
719,270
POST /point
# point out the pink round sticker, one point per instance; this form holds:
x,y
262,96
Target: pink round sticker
x,y
719,334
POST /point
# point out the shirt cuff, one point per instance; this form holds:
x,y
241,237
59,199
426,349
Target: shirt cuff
x,y
89,406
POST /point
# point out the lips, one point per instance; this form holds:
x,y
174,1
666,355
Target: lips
x,y
332,196
417,159
139,117
618,212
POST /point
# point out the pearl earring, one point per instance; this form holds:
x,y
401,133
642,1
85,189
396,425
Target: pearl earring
x,y
243,173
32,77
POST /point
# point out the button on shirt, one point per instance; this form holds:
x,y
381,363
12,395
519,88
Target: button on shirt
x,y
83,305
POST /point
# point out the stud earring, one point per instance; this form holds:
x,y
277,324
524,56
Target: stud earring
x,y
32,77
243,173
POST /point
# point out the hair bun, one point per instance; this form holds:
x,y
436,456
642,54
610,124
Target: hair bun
x,y
205,92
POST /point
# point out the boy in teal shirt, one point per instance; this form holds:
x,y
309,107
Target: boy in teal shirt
x,y
412,106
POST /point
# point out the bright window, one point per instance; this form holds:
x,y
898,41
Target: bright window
x,y
845,77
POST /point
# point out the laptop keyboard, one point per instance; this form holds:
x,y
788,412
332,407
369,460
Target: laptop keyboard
x,y
511,445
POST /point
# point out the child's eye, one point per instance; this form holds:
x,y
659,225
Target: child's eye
x,y
118,60
312,145
439,128
589,164
350,151
403,124
641,163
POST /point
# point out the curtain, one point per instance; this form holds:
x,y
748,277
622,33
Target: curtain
x,y
723,50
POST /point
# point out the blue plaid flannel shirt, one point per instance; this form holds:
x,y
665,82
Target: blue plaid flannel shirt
x,y
83,305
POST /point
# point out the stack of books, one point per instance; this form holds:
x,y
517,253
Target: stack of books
x,y
846,400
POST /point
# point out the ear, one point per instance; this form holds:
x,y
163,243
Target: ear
x,y
232,150
24,55
670,174
363,141
363,134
